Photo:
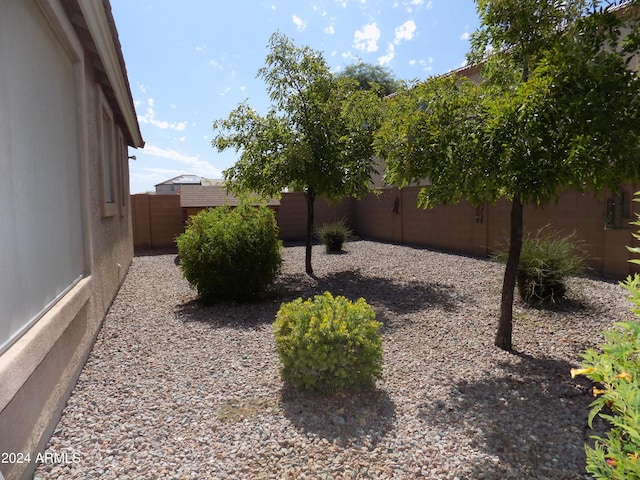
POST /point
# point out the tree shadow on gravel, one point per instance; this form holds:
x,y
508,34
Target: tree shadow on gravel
x,y
400,297
346,419
530,420
249,315
396,297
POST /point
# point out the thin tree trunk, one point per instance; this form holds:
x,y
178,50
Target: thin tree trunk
x,y
505,325
310,195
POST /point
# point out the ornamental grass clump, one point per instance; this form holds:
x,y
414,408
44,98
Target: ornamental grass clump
x,y
547,261
231,254
334,234
328,344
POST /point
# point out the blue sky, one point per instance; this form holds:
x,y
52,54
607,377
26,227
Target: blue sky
x,y
191,62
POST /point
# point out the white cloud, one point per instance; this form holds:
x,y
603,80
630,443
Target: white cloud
x,y
349,56
465,36
426,64
194,163
405,31
150,118
200,48
142,87
367,38
330,30
385,60
301,24
412,5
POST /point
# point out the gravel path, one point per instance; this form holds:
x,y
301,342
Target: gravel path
x,y
172,390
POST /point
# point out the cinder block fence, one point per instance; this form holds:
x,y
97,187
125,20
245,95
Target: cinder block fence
x,y
392,216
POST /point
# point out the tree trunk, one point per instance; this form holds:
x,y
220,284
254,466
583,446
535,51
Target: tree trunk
x,y
310,195
505,325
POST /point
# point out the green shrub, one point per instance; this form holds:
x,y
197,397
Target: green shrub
x,y
546,262
231,253
616,370
328,344
333,235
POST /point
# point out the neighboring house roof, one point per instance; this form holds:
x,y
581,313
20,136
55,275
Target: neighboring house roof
x,y
203,196
95,26
183,180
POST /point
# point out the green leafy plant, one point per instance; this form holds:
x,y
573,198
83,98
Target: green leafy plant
x,y
334,234
231,253
616,370
328,344
547,260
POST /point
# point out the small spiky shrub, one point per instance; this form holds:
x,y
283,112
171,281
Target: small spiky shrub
x,y
334,234
231,253
328,344
547,261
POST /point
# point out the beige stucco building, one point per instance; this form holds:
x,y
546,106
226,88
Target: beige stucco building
x,y
67,121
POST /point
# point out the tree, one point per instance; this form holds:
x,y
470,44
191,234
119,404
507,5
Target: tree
x,y
372,77
558,108
316,137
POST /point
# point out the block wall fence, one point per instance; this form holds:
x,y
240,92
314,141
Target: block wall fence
x,y
393,216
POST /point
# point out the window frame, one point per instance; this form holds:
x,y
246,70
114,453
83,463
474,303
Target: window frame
x,y
109,181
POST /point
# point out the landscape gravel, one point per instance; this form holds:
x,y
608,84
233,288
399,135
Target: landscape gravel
x,y
176,390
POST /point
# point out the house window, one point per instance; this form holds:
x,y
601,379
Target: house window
x,y
123,168
107,161
42,138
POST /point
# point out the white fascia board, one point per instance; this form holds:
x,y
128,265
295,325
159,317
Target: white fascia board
x,y
94,15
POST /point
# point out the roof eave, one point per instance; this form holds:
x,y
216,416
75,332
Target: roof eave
x,y
101,25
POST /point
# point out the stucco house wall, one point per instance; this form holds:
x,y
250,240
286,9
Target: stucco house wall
x,y
67,119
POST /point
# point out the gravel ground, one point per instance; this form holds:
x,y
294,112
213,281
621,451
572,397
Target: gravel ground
x,y
174,390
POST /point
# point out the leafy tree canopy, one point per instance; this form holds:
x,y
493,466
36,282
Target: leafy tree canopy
x,y
315,138
372,77
558,108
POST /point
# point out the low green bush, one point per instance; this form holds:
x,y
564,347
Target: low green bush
x,y
231,253
328,344
547,260
616,370
334,234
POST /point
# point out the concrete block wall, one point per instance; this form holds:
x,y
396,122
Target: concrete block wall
x,y
392,216
157,220
292,214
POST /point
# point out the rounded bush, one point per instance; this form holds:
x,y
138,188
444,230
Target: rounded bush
x,y
328,344
231,253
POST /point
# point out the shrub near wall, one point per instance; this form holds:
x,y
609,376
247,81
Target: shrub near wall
x,y
231,253
546,262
